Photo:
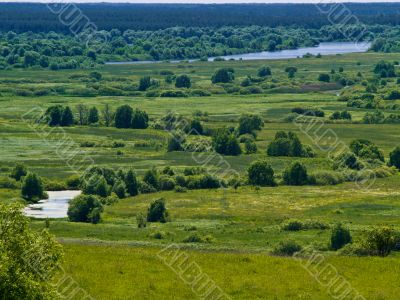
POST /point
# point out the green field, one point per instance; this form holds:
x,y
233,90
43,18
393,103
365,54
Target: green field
x,y
117,260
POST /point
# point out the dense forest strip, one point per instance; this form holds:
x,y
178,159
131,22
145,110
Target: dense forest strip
x,y
22,17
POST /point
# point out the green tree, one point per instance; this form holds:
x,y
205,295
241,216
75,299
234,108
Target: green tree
x,y
261,173
226,143
225,75
18,172
32,187
157,211
21,248
324,77
296,174
394,158
140,119
67,118
340,237
93,115
123,116
264,71
151,177
119,189
183,81
131,183
54,114
85,208
249,123
31,58
144,83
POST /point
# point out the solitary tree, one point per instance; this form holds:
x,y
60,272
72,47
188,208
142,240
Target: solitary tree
x,y
32,187
261,173
157,211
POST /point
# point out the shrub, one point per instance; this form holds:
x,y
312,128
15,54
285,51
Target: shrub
x,y
381,241
196,238
264,71
157,211
288,144
226,143
85,208
8,183
324,77
176,141
287,248
366,149
119,189
328,178
141,220
183,81
260,173
250,147
144,83
166,183
340,237
292,225
145,188
249,123
32,187
159,235
296,174
173,94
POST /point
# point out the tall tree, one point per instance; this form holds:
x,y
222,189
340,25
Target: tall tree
x,y
108,115
93,115
67,118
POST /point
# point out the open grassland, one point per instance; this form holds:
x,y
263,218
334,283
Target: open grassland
x,y
107,271
117,260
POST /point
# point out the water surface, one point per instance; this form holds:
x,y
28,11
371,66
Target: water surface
x,y
323,49
55,207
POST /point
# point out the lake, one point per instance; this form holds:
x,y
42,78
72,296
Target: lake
x,y
55,207
323,49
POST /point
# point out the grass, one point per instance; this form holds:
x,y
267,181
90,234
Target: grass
x,y
117,260
137,272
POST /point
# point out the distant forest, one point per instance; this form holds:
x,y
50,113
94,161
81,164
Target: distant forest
x,y
23,17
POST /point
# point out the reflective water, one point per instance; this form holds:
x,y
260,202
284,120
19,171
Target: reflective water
x,y
55,207
323,49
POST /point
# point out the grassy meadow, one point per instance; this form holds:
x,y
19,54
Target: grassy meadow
x,y
117,260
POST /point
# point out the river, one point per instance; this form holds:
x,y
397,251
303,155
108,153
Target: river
x,y
322,48
55,207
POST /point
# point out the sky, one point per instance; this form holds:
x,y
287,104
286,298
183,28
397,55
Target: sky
x,y
203,1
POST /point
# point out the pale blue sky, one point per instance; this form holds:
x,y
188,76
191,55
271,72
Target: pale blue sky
x,y
204,1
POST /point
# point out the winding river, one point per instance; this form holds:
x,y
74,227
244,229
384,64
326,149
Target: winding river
x,y
323,49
